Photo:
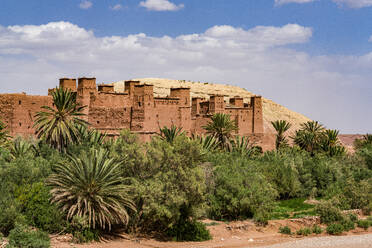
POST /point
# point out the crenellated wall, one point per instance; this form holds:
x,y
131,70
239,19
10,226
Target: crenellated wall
x,y
136,109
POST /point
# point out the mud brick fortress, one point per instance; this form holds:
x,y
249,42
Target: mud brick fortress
x,y
136,109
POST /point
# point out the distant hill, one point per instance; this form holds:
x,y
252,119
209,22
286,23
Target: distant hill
x,y
271,110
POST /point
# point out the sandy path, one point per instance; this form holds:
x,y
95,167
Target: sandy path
x,y
356,241
242,234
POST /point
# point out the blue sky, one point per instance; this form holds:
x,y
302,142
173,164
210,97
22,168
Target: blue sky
x,y
314,57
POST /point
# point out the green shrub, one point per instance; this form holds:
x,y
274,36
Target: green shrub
x,y
353,217
23,237
36,207
8,216
285,230
239,191
189,231
79,228
328,213
170,177
317,229
365,224
304,231
335,229
347,224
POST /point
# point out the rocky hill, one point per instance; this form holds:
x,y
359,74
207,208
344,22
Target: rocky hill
x,y
271,110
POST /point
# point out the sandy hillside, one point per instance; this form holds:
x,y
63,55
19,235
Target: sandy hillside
x,y
271,110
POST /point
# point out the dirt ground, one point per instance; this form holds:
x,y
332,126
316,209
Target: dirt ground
x,y
235,234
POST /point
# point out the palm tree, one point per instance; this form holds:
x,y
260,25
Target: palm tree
x,y
91,136
91,186
170,134
280,126
58,126
221,127
208,142
331,144
241,145
309,136
20,148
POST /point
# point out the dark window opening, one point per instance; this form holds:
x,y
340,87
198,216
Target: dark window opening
x,y
20,124
20,102
97,122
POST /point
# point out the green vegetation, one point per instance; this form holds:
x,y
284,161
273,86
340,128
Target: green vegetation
x,y
365,224
23,237
90,186
292,208
304,231
281,126
317,229
221,127
59,126
285,230
170,134
74,179
335,229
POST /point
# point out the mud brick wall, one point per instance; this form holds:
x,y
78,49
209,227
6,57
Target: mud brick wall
x,y
18,112
138,110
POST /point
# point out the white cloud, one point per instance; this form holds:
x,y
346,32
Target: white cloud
x,y
85,4
160,5
32,58
354,3
117,7
280,2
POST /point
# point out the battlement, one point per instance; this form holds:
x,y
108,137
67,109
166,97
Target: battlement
x,y
68,83
87,83
106,88
137,109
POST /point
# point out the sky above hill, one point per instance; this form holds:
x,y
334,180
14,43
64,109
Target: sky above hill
x,y
312,56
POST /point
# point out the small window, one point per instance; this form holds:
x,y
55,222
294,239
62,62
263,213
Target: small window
x,y
97,122
139,104
19,102
20,124
125,109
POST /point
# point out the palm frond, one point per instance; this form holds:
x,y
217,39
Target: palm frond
x,y
221,127
170,134
91,186
58,125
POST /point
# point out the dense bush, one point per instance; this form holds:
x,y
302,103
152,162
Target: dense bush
x,y
189,230
239,191
328,213
317,229
304,231
347,224
36,207
285,230
335,229
24,237
8,216
365,224
81,232
166,180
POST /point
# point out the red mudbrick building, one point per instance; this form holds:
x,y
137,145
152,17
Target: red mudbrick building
x,y
136,109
